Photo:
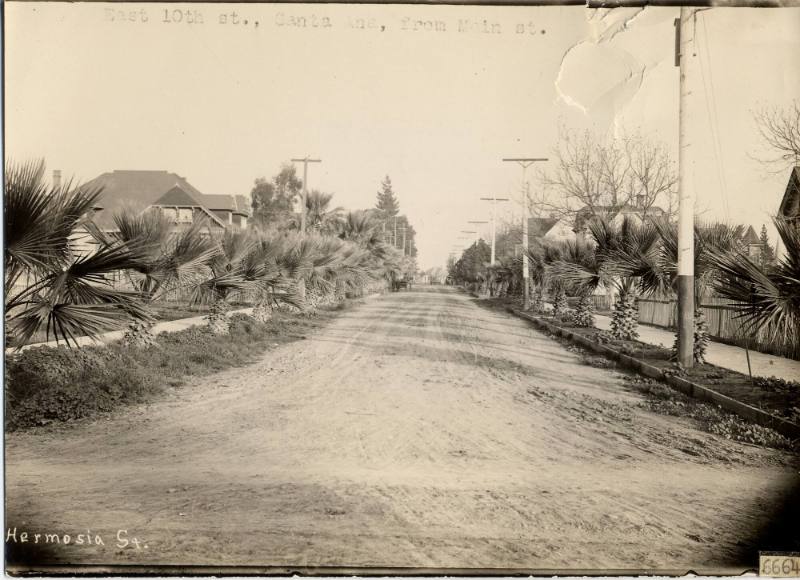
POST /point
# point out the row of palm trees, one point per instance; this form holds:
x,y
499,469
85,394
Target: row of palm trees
x,y
51,289
631,260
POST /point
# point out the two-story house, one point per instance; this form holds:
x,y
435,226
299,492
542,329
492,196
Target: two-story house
x,y
169,193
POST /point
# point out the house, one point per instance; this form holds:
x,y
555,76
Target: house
x,y
552,228
752,244
616,214
168,192
790,204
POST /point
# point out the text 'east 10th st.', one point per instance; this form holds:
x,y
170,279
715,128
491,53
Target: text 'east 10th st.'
x,y
312,21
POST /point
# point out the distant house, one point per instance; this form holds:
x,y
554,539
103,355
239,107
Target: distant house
x,y
169,193
615,215
553,228
752,244
790,204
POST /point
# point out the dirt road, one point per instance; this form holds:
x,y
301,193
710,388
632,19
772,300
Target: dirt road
x,y
417,429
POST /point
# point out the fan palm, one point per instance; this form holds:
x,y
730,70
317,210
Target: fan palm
x,y
319,215
540,256
765,299
169,259
48,286
657,269
621,260
580,272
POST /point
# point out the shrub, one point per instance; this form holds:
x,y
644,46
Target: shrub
x,y
775,384
47,384
712,418
59,384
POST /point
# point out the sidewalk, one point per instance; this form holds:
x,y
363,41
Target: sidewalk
x,y
169,326
722,355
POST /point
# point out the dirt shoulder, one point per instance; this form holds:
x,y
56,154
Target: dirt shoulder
x,y
417,429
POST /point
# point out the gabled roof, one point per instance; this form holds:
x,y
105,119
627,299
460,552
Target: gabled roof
x,y
139,189
750,237
790,204
178,196
236,203
135,189
538,227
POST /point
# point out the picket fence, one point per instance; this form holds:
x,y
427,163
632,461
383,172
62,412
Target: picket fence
x,y
722,321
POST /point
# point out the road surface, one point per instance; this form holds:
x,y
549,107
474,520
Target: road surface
x,y
416,429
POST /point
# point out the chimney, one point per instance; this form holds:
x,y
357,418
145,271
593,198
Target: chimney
x,y
56,178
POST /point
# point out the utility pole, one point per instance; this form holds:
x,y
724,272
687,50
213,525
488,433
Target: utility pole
x,y
305,161
684,44
471,232
403,231
525,162
494,201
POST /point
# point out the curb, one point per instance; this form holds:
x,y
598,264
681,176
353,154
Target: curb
x,y
108,337
690,388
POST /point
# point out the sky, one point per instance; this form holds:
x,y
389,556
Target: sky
x,y
433,96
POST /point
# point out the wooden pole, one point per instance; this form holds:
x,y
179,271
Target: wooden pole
x,y
686,194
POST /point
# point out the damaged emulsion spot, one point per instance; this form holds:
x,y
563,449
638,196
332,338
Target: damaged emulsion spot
x,y
598,74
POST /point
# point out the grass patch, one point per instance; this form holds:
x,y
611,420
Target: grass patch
x,y
664,400
46,385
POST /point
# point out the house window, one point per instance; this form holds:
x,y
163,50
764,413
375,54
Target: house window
x,y
170,213
185,215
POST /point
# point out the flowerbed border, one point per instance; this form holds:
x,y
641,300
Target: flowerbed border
x,y
690,388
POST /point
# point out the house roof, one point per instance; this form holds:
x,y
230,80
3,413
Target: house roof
x,y
139,189
236,203
178,196
135,189
611,211
538,227
790,204
751,237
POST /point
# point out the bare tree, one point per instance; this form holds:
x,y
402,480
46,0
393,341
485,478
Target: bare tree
x,y
578,179
652,176
597,177
780,131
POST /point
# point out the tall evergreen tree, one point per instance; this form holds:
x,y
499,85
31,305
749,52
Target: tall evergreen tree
x,y
767,251
387,205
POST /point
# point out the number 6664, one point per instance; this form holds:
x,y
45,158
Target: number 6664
x,y
779,566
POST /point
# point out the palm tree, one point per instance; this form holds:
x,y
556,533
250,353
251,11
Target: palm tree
x,y
362,228
580,272
168,260
767,300
505,275
622,259
48,286
245,261
658,269
319,216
